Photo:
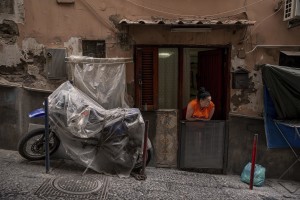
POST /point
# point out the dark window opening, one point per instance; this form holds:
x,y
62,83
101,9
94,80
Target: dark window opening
x,y
7,6
93,48
289,59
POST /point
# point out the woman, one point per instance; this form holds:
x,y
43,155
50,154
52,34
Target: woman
x,y
201,108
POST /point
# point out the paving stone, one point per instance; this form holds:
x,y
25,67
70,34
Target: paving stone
x,y
181,177
21,179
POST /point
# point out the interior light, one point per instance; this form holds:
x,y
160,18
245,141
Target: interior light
x,y
164,54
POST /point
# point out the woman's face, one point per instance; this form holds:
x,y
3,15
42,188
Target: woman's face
x,y
205,102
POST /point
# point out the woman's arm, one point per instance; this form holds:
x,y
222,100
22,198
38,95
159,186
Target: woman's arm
x,y
211,113
189,113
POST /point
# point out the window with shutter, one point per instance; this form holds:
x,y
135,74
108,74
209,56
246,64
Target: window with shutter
x,y
146,76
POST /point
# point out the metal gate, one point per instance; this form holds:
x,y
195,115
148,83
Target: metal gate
x,y
202,144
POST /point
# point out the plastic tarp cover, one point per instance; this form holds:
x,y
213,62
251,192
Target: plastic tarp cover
x,y
102,79
273,135
107,141
283,84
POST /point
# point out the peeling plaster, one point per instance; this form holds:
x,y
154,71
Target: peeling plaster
x,y
238,92
115,20
31,66
240,98
73,46
19,13
25,66
123,39
236,62
247,101
9,32
250,101
10,55
32,46
254,105
33,70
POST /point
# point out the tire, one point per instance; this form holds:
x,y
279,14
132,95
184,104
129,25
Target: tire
x,y
149,156
139,165
35,151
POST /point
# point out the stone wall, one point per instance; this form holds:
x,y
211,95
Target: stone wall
x,y
241,134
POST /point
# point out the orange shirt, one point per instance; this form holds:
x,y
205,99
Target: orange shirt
x,y
201,112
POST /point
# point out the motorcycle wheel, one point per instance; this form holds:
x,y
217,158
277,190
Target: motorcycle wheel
x,y
31,145
139,165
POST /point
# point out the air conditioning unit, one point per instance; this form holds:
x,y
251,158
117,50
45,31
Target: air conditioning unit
x,y
291,10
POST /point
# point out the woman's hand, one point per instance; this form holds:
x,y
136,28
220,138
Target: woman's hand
x,y
189,113
202,119
211,113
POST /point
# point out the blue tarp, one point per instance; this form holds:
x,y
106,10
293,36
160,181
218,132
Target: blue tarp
x,y
283,84
274,137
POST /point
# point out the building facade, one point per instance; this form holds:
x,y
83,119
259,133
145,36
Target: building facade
x,y
176,47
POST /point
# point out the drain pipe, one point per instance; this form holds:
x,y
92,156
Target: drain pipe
x,y
270,46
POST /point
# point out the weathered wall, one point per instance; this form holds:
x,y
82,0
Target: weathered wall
x,y
12,10
15,104
48,25
276,161
32,26
239,147
22,62
10,121
28,27
247,45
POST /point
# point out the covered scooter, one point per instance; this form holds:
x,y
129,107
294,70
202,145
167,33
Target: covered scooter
x,y
92,120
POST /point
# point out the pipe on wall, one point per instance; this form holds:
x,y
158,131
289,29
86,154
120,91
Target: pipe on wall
x,y
270,46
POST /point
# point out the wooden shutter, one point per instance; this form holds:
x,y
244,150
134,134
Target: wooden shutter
x,y
146,78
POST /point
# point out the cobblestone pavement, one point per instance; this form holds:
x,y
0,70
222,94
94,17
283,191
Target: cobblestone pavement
x,y
21,179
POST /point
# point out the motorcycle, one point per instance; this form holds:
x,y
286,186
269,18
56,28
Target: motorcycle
x,y
107,141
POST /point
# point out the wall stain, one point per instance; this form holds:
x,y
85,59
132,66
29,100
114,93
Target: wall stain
x,y
123,39
243,97
9,32
22,73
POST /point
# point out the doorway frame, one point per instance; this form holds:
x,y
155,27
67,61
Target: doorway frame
x,y
226,59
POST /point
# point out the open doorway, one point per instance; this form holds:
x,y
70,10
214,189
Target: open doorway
x,y
206,67
169,77
166,79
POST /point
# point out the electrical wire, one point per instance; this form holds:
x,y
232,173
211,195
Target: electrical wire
x,y
234,9
258,24
183,15
98,17
264,19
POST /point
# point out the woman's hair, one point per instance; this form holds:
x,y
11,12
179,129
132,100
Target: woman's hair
x,y
202,93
